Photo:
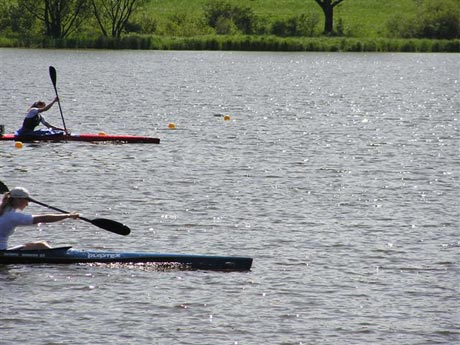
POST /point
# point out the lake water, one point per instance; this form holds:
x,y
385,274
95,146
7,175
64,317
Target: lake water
x,y
338,173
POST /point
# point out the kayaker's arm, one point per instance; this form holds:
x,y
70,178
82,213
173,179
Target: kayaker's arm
x,y
51,218
46,123
58,128
49,125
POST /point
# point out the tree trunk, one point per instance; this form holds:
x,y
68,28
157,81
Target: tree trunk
x,y
329,19
328,9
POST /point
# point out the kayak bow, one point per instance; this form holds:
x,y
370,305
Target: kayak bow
x,y
67,255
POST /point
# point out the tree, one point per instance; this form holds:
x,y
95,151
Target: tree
x,y
112,16
328,8
60,17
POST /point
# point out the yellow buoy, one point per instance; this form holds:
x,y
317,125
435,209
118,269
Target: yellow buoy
x,y
18,145
102,133
227,117
172,125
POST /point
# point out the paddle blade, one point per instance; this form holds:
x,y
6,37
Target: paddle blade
x,y
111,225
53,75
3,188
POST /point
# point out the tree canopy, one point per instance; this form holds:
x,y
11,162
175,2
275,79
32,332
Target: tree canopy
x,y
60,17
112,16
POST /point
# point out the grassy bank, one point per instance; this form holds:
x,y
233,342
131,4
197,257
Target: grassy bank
x,y
244,43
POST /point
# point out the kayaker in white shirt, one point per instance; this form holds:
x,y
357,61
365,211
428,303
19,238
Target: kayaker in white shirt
x,y
11,216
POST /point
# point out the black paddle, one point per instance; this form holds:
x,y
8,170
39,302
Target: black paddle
x,y
53,76
106,224
103,223
3,188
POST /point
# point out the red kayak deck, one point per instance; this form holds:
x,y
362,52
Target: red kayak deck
x,y
83,137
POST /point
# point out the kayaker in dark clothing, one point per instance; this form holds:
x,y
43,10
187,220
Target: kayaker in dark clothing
x,y
34,118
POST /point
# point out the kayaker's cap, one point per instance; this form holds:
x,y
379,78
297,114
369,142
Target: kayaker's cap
x,y
19,193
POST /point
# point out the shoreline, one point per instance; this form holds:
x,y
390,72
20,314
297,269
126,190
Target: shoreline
x,y
242,43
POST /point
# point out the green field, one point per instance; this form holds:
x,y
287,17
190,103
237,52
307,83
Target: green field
x,y
361,18
359,25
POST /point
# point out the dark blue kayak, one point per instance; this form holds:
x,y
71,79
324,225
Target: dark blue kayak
x,y
67,255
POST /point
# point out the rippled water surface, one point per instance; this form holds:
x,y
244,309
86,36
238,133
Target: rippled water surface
x,y
337,173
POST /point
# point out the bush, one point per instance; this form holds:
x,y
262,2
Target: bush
x,y
302,25
440,19
220,13
435,19
225,26
148,24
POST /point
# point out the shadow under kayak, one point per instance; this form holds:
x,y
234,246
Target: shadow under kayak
x,y
67,255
